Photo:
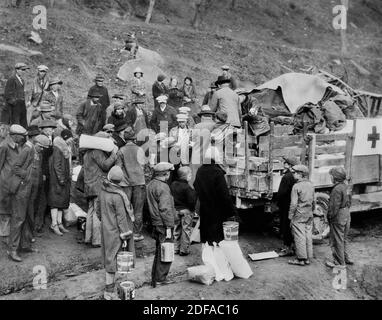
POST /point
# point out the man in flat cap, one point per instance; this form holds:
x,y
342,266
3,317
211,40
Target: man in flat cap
x,y
283,202
162,211
14,111
100,90
13,186
227,100
179,138
131,159
39,86
226,74
91,115
164,113
159,88
109,129
301,215
47,128
339,218
45,111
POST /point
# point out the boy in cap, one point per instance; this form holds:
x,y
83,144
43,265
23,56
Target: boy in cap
x,y
14,93
208,96
339,218
283,202
137,117
162,211
91,115
185,201
54,95
44,111
116,216
100,90
109,129
131,159
301,215
159,89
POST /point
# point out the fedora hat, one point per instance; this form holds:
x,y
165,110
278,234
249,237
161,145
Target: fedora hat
x,y
221,80
205,110
45,106
33,131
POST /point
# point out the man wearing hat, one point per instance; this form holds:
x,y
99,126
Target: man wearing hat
x,y
40,85
201,138
339,218
226,74
47,128
13,186
208,96
14,111
91,115
118,135
137,117
33,131
165,114
131,159
301,215
54,95
283,202
227,100
97,164
159,89
109,129
100,90
116,216
162,212
45,111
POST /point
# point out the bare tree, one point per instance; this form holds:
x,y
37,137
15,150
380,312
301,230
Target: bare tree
x,y
150,11
201,7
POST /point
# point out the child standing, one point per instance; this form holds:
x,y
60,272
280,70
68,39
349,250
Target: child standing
x,y
116,215
301,215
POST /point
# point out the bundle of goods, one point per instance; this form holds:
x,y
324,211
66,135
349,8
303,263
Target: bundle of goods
x,y
98,143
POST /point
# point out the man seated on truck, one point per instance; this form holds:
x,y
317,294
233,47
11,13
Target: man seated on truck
x,y
301,215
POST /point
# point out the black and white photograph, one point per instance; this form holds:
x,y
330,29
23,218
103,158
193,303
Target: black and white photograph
x,y
190,155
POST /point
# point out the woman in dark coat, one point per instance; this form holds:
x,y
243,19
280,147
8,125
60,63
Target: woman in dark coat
x,y
60,180
215,201
175,95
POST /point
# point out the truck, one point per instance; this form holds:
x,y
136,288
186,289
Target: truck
x,y
253,181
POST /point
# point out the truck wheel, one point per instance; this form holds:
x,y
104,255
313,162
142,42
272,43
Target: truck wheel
x,y
320,221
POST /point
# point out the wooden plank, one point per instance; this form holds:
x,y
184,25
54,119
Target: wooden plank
x,y
329,162
329,149
246,152
280,142
282,130
331,137
312,155
270,161
289,151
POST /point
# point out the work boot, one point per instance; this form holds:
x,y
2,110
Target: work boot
x,y
62,228
14,256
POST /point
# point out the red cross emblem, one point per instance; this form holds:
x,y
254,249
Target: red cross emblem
x,y
373,137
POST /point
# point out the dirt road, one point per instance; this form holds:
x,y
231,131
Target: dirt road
x,y
75,271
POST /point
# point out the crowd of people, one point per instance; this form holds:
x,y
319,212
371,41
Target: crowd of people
x,y
36,160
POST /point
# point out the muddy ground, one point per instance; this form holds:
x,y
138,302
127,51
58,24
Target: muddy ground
x,y
75,271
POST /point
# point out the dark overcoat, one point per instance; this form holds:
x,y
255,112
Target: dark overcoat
x,y
105,99
59,179
215,202
90,118
15,111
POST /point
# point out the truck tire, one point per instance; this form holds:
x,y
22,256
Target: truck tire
x,y
320,228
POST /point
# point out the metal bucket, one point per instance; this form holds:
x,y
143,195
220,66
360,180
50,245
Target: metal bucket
x,y
125,261
231,230
167,252
126,290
